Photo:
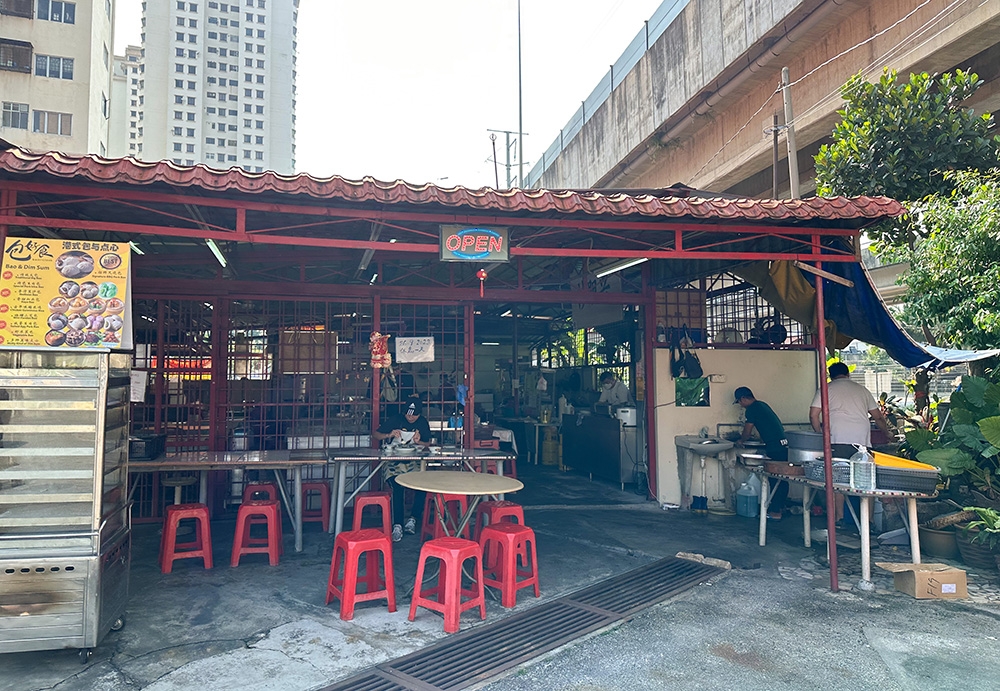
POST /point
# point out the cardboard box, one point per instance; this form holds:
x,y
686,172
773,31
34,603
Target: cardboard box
x,y
928,581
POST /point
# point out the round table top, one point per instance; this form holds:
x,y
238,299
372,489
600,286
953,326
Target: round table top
x,y
458,482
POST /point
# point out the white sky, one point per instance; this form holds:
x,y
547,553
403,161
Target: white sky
x,y
403,89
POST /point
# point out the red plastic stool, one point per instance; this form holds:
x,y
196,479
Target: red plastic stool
x,y
201,547
268,488
455,506
491,512
348,547
382,500
244,544
501,542
509,467
452,551
322,514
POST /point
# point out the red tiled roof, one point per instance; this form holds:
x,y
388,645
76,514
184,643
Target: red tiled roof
x,y
130,171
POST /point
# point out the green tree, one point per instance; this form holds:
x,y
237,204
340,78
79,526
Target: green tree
x,y
899,138
953,285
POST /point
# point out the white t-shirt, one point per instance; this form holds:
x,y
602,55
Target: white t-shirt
x,y
616,395
849,406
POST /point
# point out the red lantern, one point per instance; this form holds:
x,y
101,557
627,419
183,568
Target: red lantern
x,y
481,275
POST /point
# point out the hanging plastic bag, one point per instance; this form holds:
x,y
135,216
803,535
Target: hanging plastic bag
x,y
692,366
389,392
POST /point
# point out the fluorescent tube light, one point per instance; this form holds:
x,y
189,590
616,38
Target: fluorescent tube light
x,y
490,343
216,251
615,268
135,248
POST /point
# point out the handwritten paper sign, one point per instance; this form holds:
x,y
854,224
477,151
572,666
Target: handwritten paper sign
x,y
420,349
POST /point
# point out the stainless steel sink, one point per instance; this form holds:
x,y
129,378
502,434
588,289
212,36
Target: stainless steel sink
x,y
710,446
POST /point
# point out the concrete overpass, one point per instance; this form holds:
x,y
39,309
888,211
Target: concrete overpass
x,y
694,92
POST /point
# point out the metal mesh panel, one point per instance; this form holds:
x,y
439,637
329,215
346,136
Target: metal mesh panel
x,y
736,311
435,383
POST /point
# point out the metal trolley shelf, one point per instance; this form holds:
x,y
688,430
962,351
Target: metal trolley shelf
x,y
65,545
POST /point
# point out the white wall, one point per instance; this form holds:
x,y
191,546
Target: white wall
x,y
784,379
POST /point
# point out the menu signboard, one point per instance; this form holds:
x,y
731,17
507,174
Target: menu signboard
x,y
64,294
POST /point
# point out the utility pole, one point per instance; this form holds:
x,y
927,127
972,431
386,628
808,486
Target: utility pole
x,y
509,145
520,105
793,161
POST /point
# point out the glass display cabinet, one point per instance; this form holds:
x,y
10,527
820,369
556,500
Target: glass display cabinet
x,y
64,518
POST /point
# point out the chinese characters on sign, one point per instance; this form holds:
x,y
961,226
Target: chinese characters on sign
x,y
64,294
415,349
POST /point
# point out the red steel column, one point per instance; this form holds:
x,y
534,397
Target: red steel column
x,y
824,392
469,430
8,200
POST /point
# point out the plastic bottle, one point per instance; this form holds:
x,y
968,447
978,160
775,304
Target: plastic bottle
x,y
747,500
862,470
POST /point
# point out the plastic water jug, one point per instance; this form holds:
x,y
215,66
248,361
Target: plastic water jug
x,y
747,500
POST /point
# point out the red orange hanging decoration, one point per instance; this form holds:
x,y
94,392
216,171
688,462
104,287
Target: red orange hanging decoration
x,y
481,275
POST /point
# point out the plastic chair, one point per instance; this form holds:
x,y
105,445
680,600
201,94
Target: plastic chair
x,y
200,547
453,552
455,506
178,482
348,547
491,512
244,544
322,514
501,543
380,500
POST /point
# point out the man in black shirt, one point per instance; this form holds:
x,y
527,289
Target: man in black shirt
x,y
760,416
410,420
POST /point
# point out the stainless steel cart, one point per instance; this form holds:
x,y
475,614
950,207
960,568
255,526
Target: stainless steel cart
x,y
65,545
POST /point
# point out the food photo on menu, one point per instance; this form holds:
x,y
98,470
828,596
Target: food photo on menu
x,y
85,312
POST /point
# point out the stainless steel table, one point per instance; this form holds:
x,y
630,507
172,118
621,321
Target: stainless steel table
x,y
204,461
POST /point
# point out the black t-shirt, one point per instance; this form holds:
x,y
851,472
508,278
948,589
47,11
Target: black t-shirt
x,y
770,429
399,422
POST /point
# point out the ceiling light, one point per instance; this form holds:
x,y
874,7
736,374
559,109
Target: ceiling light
x,y
216,251
374,277
618,266
490,343
135,248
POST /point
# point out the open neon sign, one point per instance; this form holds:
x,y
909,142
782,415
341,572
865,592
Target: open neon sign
x,y
465,244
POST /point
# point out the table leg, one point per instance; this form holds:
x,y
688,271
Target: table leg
x,y
806,515
911,508
341,489
297,482
765,499
866,545
536,445
203,487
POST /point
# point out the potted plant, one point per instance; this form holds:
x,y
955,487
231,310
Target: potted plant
x,y
979,539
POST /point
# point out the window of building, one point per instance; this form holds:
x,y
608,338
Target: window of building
x,y
260,47
209,157
259,155
213,20
15,115
260,139
51,66
178,83
213,34
192,38
231,157
260,64
213,49
224,22
180,20
260,33
190,100
178,67
212,65
259,124
189,148
48,122
57,11
260,79
192,69
193,6
178,130
177,146
190,116
260,4
15,56
210,110
178,115
246,138
179,100
179,35
248,62
260,93
246,153
179,52
232,128
16,8
233,82
234,53
192,54
191,86
180,6
210,140
193,23
190,131
247,123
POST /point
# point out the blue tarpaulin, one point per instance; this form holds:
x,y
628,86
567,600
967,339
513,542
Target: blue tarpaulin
x,y
860,313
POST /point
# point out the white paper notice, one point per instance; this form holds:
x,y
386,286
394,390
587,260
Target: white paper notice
x,y
420,349
139,379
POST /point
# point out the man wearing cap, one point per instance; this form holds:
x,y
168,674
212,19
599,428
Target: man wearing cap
x,y
410,420
772,433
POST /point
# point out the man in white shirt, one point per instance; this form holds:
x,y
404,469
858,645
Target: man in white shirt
x,y
850,406
613,391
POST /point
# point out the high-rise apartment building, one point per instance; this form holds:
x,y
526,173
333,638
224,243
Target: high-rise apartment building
x,y
55,74
217,84
124,118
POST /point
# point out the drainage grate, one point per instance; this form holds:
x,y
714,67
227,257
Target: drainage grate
x,y
483,652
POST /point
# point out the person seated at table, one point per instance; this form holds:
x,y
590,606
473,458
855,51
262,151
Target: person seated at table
x,y
772,433
410,420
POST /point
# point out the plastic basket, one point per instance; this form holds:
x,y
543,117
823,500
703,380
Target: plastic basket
x,y
841,471
900,480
